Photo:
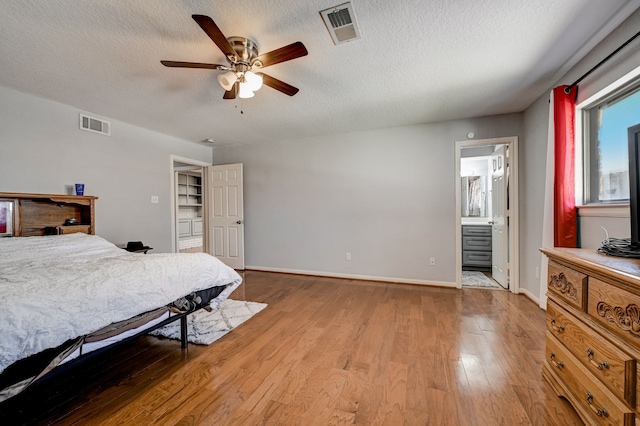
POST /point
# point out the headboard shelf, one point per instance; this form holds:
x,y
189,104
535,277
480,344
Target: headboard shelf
x,y
42,214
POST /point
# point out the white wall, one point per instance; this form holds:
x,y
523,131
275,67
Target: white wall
x,y
386,196
42,150
299,216
533,150
592,233
533,156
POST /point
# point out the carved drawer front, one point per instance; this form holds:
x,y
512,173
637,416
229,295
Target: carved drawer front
x,y
616,309
615,368
568,284
603,407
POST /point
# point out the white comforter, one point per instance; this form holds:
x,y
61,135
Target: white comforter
x,y
60,287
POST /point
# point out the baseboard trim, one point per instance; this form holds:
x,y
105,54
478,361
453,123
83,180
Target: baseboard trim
x,y
530,295
354,276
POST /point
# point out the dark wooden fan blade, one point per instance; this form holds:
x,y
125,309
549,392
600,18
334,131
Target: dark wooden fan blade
x,y
287,53
231,94
192,65
274,83
214,34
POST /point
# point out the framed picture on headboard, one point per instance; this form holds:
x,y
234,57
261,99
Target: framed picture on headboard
x,y
6,218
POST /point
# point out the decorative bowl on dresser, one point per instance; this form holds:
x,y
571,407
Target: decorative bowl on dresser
x,y
593,334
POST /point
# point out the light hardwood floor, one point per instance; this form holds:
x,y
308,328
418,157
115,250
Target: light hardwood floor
x,y
325,351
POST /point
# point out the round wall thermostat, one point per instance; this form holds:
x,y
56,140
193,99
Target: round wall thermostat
x,y
471,135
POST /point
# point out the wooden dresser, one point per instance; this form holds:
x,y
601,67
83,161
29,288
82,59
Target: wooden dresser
x,y
593,334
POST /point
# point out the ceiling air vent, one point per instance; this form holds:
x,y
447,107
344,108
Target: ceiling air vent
x,y
95,125
341,23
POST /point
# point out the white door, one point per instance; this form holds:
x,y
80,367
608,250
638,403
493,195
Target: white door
x,y
499,236
226,214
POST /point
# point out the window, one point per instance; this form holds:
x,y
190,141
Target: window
x,y
606,159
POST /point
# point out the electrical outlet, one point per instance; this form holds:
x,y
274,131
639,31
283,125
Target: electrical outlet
x,y
538,272
154,199
347,256
432,261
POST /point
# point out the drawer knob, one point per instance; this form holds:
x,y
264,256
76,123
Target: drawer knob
x,y
604,365
559,328
600,412
552,358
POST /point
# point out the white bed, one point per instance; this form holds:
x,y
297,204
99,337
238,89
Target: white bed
x,y
57,288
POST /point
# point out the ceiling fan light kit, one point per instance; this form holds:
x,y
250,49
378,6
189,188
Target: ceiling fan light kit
x,y
227,80
245,92
253,80
242,55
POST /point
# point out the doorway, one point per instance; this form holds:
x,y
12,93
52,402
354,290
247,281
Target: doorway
x,y
189,208
487,212
188,205
207,212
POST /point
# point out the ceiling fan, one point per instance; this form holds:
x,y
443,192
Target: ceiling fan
x,y
243,57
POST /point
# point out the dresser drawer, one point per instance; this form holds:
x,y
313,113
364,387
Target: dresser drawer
x,y
476,258
568,284
476,243
616,309
476,230
603,407
614,367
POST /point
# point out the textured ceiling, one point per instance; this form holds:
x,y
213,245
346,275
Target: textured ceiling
x,y
418,61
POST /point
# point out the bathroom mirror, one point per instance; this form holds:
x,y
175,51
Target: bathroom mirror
x,y
474,196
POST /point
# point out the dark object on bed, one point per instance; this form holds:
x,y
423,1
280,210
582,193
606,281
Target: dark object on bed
x,y
137,247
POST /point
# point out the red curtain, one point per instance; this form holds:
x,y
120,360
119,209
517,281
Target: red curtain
x,y
565,230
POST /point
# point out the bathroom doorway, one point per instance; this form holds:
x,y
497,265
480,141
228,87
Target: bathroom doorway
x,y
486,214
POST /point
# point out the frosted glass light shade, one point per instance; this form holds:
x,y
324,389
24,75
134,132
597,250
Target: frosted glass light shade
x,y
245,91
253,80
227,80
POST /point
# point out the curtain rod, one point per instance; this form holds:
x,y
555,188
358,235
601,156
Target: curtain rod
x,y
567,89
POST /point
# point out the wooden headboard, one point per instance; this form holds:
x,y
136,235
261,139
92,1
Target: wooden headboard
x,y
44,214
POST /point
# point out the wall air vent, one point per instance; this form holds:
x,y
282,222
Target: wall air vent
x,y
341,23
95,125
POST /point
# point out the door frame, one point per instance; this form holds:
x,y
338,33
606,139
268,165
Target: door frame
x,y
514,222
174,198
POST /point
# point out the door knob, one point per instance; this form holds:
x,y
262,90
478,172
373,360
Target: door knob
x,y
240,222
